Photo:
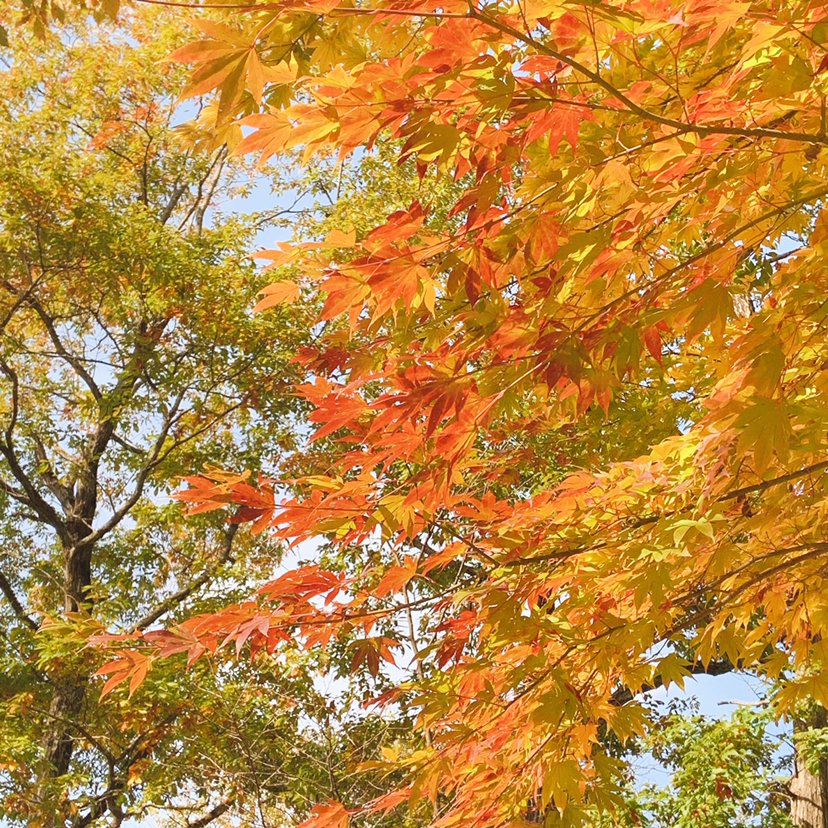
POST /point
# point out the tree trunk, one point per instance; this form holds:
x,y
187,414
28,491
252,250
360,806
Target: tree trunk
x,y
809,791
58,745
69,692
65,707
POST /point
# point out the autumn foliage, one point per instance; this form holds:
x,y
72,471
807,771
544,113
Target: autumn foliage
x,y
578,425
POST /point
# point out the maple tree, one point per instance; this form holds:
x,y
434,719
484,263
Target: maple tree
x,y
576,425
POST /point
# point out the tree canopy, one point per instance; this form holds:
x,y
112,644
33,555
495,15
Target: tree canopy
x,y
128,356
570,401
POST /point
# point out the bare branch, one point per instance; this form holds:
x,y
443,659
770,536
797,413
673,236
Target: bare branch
x,y
47,475
76,363
157,456
154,458
623,695
34,499
175,197
22,298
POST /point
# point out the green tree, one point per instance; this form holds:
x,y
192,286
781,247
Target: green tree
x,y
725,772
128,357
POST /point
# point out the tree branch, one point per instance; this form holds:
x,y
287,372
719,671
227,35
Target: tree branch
x,y
47,475
60,348
17,607
213,813
157,456
175,197
735,494
44,510
177,597
623,695
632,107
118,781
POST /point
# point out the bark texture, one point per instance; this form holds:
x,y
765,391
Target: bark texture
x,y
809,791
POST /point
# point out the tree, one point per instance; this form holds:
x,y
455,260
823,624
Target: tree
x,y
127,356
580,423
725,772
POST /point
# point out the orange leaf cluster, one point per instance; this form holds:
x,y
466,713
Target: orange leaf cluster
x,y
596,393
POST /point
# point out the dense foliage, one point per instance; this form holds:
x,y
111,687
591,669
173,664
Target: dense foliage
x,y
570,399
128,356
723,772
583,418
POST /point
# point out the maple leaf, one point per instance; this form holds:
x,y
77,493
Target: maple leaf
x,y
396,577
277,294
230,64
370,651
332,814
131,666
